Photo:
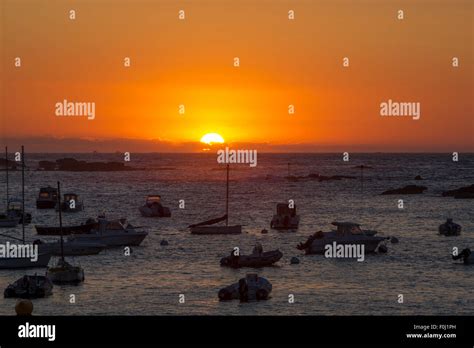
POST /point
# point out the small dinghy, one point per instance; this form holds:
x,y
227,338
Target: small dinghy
x,y
154,208
256,259
466,256
449,228
285,218
29,287
250,288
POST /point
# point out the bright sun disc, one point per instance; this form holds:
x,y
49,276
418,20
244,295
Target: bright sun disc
x,y
212,138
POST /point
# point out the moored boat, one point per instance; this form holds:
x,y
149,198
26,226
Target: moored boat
x,y
154,208
112,233
29,286
264,259
47,198
250,288
467,256
346,233
205,226
285,218
449,228
71,203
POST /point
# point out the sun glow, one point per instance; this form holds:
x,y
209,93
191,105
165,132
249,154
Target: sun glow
x,y
212,138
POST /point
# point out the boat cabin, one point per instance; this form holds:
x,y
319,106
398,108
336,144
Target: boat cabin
x,y
345,228
151,199
71,197
48,193
14,204
284,209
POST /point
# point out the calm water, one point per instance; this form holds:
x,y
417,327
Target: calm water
x,y
150,281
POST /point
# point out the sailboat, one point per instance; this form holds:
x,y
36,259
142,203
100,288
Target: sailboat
x,y
6,220
206,227
64,272
24,262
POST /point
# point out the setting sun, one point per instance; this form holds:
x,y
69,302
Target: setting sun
x,y
212,138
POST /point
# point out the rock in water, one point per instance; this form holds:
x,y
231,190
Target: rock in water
x,y
294,260
264,231
418,177
163,242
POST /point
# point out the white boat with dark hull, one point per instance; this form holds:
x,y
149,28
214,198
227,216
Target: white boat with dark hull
x,y
25,262
206,227
112,234
71,203
14,210
47,198
346,233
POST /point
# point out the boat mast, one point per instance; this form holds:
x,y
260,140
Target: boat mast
x,y
6,169
23,192
60,221
227,199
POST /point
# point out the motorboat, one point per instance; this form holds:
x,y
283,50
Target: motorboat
x,y
250,288
112,233
449,228
255,260
29,286
47,198
7,221
206,227
71,203
346,233
285,218
15,210
154,208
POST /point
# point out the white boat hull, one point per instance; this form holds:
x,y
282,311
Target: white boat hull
x,y
14,263
111,239
370,243
209,230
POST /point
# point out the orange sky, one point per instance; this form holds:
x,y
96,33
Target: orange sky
x,y
283,62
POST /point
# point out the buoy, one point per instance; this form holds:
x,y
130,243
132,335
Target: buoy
x,y
264,231
383,249
24,307
163,242
394,240
294,260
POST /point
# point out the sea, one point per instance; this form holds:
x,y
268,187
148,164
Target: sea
x,y
153,278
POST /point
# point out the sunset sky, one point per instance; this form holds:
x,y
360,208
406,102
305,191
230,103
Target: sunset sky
x,y
282,62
